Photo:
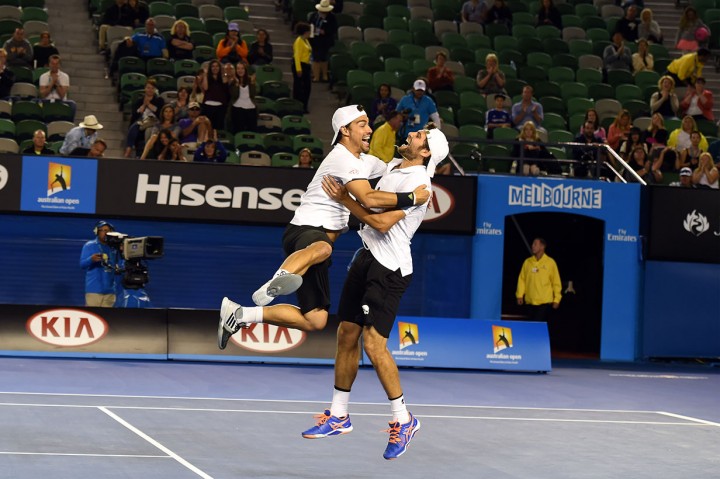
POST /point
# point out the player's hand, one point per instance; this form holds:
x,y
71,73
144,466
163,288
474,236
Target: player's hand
x,y
422,194
334,189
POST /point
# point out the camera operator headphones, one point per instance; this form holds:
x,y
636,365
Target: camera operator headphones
x,y
100,224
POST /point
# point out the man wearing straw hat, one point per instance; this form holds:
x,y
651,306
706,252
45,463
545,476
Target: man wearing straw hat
x,y
322,38
82,136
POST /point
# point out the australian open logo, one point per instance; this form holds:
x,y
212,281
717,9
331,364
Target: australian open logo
x,y
502,338
696,223
59,178
409,334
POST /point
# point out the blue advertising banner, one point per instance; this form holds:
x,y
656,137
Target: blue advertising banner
x,y
58,185
616,204
469,344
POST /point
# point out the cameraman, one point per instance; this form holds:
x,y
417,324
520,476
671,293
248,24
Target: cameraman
x,y
417,109
100,263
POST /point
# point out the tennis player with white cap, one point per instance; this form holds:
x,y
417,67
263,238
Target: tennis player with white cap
x,y
318,221
377,279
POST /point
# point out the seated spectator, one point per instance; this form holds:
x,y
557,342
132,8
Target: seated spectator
x,y
43,50
194,126
527,147
261,50
619,130
158,142
97,149
82,136
19,51
689,36
7,77
592,116
499,13
473,11
549,14
698,102
55,84
656,136
616,56
166,121
688,68
706,174
137,13
382,105
418,108
685,179
180,104
497,117
180,46
585,156
150,44
642,60
635,138
491,79
144,115
243,112
527,109
680,137
125,48
305,158
384,138
116,14
232,48
38,146
690,156
665,101
211,150
628,25
648,28
173,152
440,77
643,166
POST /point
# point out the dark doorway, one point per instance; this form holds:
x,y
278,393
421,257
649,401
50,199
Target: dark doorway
x,y
575,242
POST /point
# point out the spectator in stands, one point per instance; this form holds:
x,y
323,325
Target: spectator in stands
x,y
116,14
473,11
439,76
628,25
645,168
126,48
491,79
216,94
302,76
617,56
137,13
180,46
417,109
384,139
82,136
497,117
180,104
499,13
7,77
174,152
54,84
648,28
598,130
690,156
665,101
689,36
686,69
635,138
698,102
97,149
619,129
656,136
232,48
585,155
261,50
150,44
194,126
642,60
211,150
158,142
527,109
243,112
322,39
38,146
549,14
43,50
305,159
679,140
528,147
685,179
145,115
706,174
166,121
19,51
382,105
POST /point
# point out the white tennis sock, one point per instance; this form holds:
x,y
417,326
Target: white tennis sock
x,y
340,401
399,410
253,314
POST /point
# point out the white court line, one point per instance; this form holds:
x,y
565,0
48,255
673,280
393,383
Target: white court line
x,y
134,456
155,443
691,423
688,418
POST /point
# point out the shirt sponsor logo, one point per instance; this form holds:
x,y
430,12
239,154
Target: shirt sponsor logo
x,y
67,328
268,338
441,204
562,196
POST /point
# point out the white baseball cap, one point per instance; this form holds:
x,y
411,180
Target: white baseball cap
x,y
419,85
344,116
439,149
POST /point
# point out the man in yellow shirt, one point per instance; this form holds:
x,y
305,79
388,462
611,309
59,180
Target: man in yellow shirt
x,y
539,282
687,68
383,140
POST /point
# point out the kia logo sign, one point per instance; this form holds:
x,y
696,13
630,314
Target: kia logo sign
x,y
3,176
67,327
441,204
267,338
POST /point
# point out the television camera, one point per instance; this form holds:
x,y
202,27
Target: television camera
x,y
134,251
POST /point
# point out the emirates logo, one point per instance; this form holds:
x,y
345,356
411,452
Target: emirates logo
x,y
696,223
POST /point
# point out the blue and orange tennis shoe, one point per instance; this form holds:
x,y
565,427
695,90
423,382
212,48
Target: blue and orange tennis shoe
x,y
328,425
400,437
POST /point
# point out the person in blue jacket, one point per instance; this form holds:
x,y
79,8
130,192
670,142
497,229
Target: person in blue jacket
x,y
99,261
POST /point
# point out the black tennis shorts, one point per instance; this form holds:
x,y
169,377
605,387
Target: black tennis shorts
x,y
315,289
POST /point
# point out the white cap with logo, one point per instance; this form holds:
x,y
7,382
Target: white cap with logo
x,y
344,116
419,85
439,149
